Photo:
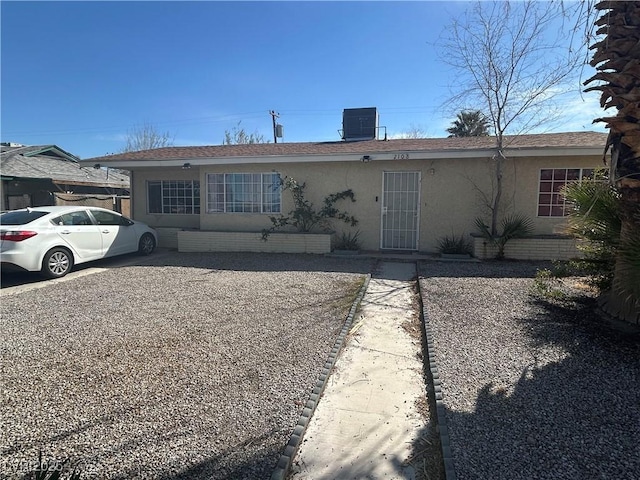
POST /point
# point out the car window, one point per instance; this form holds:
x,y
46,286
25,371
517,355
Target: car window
x,y
106,218
74,218
21,217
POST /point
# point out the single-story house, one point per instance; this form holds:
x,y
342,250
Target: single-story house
x,y
409,193
39,175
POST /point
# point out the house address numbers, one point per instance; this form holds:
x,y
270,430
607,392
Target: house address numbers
x,y
401,156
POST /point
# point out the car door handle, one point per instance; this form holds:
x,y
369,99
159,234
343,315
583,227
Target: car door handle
x,y
105,231
65,232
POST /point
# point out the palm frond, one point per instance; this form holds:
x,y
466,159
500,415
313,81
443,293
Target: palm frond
x,y
595,211
516,225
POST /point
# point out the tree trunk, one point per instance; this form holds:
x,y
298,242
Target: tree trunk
x,y
497,198
617,60
622,302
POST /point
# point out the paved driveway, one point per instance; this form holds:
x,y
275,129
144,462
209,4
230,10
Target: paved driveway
x,y
179,366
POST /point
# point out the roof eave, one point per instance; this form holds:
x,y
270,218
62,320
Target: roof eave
x,y
90,184
57,149
358,157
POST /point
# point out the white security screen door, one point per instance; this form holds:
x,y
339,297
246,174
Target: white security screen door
x,y
400,210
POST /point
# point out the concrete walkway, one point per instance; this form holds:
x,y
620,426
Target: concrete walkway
x,y
367,420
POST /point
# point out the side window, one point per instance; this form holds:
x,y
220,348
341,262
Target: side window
x,y
173,197
551,201
74,218
106,218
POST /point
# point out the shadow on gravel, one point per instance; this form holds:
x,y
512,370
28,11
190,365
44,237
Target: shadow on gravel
x,y
10,278
573,419
259,466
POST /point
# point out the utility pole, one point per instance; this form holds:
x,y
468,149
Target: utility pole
x,y
274,115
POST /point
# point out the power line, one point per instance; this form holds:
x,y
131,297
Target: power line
x,y
385,110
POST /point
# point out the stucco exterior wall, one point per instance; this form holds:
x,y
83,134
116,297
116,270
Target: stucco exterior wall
x,y
450,194
443,208
527,173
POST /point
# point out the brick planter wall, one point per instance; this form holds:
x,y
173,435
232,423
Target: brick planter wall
x,y
202,241
167,236
543,247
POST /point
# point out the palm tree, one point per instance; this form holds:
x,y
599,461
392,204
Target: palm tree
x,y
617,61
594,218
469,123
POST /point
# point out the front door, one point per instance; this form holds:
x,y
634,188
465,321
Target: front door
x,y
400,210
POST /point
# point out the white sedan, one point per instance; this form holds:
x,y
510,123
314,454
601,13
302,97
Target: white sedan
x,y
52,240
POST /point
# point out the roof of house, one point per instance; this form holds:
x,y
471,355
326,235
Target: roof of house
x,y
52,163
585,142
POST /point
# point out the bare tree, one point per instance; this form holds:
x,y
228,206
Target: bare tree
x,y
414,131
146,137
511,60
239,136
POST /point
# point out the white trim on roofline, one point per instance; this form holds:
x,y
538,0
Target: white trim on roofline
x,y
358,157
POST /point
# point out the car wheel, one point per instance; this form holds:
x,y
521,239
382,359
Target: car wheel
x,y
57,263
147,244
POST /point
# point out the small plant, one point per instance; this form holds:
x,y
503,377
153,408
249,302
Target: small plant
x,y
547,285
455,245
348,241
513,226
305,217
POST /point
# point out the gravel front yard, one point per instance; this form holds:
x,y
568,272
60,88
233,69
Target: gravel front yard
x,y
531,389
194,369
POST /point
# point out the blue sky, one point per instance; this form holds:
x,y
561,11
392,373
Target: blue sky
x,y
82,74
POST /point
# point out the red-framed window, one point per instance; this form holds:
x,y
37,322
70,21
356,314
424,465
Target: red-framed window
x,y
551,202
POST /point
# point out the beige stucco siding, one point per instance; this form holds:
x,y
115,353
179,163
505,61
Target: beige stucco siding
x,y
448,201
450,197
527,193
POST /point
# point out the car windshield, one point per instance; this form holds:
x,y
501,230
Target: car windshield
x,y
21,217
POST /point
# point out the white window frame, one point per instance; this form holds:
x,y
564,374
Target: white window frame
x,y
249,199
190,202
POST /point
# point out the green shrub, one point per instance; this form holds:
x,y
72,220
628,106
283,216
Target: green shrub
x,y
305,217
514,226
595,218
455,245
547,285
348,241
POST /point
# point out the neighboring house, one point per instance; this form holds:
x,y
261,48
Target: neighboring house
x,y
409,192
42,175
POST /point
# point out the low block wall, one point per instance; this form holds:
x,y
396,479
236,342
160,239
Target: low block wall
x,y
199,241
530,248
167,237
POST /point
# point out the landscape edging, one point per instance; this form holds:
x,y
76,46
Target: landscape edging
x,y
441,419
286,459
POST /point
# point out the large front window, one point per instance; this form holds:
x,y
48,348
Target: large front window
x,y
243,193
551,202
173,196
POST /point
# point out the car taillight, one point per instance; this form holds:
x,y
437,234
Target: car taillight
x,y
17,235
